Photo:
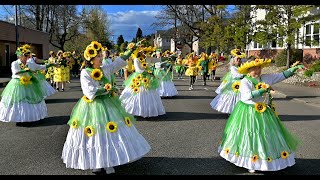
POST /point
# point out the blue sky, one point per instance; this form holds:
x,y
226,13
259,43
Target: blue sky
x,y
124,19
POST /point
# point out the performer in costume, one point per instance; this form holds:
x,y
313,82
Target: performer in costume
x,y
140,96
213,64
22,100
102,134
179,66
254,136
163,72
50,71
192,70
76,64
204,66
60,72
40,75
228,91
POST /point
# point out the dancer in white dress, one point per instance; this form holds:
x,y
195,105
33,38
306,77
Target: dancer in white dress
x,y
140,96
228,91
102,134
163,72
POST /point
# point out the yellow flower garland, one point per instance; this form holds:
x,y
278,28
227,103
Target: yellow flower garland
x,y
260,107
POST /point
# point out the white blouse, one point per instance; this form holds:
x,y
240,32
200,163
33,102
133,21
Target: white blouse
x,y
247,86
235,73
15,67
89,86
137,66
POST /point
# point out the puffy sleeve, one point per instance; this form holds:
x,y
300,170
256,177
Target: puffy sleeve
x,y
235,73
114,66
14,67
245,89
88,86
137,66
273,78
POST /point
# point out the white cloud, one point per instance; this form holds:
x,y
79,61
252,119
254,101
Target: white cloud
x,y
127,23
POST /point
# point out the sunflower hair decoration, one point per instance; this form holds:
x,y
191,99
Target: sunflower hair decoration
x,y
243,69
92,50
22,51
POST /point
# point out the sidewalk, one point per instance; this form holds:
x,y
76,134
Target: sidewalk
x,y
4,82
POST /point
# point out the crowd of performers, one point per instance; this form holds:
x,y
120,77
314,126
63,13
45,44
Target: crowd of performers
x,y
102,131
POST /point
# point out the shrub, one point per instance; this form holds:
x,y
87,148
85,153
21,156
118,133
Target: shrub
x,y
308,73
281,58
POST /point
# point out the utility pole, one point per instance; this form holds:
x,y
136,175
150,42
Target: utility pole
x,y
16,26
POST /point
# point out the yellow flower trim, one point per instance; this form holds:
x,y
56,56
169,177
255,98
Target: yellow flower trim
x,y
149,71
25,80
236,86
237,154
269,159
128,121
284,154
132,86
139,77
112,127
22,66
137,84
74,123
86,99
227,151
259,86
136,90
89,131
108,86
145,80
260,107
114,94
144,65
96,74
255,158
224,81
134,80
243,69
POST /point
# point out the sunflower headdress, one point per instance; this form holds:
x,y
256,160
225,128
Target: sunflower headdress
x,y
92,50
23,50
237,53
243,69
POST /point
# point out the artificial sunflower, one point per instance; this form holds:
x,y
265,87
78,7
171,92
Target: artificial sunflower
x,y
265,86
237,154
89,131
144,65
236,86
227,151
132,86
145,80
128,121
108,86
138,84
96,45
25,80
130,45
149,71
96,74
114,94
86,99
111,127
136,90
259,86
284,154
134,80
260,107
269,159
90,52
22,66
139,77
74,123
255,158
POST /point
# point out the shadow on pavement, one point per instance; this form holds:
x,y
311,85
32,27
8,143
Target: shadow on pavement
x,y
182,116
193,97
207,166
50,101
299,117
51,121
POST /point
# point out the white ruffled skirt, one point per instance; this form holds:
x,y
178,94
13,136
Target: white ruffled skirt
x,y
225,102
23,112
146,103
104,149
167,89
47,88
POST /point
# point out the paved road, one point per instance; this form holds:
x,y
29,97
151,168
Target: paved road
x,y
184,141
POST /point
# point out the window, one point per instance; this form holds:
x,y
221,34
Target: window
x,y
255,45
312,35
274,44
